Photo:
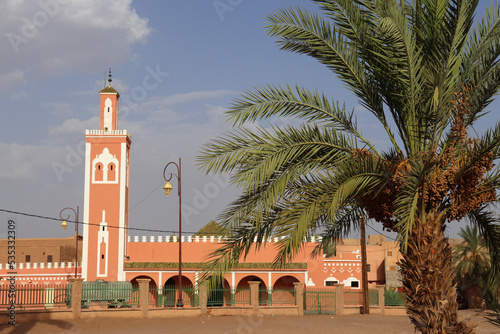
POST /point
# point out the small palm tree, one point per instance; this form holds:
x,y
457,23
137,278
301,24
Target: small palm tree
x,y
472,264
491,297
471,257
427,77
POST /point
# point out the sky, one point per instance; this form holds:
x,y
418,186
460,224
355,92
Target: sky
x,y
177,65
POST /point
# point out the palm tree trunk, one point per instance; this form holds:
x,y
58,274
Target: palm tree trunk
x,y
428,278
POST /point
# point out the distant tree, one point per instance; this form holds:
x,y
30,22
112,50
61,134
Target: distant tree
x,y
472,264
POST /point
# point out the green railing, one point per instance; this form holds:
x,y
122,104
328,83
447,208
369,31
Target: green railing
x,y
171,296
36,296
228,297
99,295
319,301
394,298
277,297
373,298
355,298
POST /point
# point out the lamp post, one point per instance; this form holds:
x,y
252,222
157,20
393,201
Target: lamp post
x,y
64,225
167,189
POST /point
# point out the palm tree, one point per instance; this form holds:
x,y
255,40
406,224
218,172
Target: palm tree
x,y
472,264
427,77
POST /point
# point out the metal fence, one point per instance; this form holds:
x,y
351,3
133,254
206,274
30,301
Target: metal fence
x,y
355,298
228,297
36,296
171,296
394,298
277,297
319,301
97,295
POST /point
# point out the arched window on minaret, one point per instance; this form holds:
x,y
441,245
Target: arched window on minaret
x,y
108,114
102,257
98,172
105,168
111,172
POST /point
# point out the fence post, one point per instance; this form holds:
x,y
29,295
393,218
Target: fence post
x,y
203,297
339,298
299,297
76,296
254,295
381,297
159,296
143,295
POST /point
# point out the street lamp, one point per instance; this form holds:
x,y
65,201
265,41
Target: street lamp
x,y
64,225
167,189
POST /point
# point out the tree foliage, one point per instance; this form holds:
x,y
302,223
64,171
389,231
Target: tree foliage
x,y
428,77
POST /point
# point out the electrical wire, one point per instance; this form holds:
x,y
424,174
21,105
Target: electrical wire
x,y
131,228
91,224
391,238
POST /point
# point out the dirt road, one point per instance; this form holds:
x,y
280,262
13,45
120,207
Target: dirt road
x,y
369,324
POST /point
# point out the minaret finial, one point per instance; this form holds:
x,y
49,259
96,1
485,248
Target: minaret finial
x,y
109,79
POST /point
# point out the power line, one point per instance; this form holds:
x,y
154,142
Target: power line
x,y
90,224
381,233
128,228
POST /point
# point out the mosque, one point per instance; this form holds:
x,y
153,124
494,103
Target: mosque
x,y
109,253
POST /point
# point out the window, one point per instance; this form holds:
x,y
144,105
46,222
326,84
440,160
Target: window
x,y
49,258
331,283
389,253
98,173
111,172
368,268
102,256
28,258
392,268
354,284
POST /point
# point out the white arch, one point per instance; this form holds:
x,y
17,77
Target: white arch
x,y
105,158
350,280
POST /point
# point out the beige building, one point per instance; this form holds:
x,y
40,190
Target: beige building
x,y
43,250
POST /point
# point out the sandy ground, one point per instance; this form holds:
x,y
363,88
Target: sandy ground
x,y
370,324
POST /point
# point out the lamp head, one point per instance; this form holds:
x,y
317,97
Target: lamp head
x,y
64,225
167,189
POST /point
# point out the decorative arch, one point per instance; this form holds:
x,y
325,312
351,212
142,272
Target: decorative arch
x,y
285,282
219,295
331,281
284,289
243,283
171,290
101,168
108,114
111,172
353,283
153,289
152,282
98,172
263,294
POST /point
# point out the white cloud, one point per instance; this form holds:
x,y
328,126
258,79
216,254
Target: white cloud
x,y
75,126
216,114
26,162
189,97
21,95
52,37
11,78
59,109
